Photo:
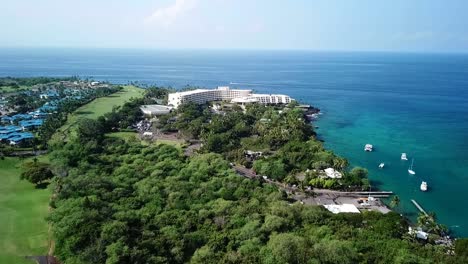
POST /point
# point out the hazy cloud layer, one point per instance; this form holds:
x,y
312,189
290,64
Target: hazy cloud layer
x,y
166,16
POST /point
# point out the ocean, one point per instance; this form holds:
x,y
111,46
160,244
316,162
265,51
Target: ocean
x,y
399,102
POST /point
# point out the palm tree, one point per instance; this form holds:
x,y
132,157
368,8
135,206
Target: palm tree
x,y
395,201
340,163
423,219
429,222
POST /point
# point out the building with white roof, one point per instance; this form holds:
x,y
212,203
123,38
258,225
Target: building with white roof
x,y
224,93
201,96
418,232
271,98
155,110
332,173
342,208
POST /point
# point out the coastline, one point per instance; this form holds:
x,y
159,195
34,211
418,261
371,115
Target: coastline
x,y
315,196
407,216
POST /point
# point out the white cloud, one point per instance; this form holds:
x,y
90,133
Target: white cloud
x,y
167,16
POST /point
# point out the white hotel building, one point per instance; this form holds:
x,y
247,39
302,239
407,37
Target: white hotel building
x,y
224,93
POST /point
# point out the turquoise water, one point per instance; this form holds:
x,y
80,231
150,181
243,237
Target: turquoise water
x,y
413,103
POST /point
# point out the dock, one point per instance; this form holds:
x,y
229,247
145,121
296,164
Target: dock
x,y
419,207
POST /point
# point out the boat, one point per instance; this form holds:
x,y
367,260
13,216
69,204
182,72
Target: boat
x,y
410,169
381,165
368,147
403,156
423,186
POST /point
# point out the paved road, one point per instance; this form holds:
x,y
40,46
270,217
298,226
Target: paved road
x,y
248,173
305,196
43,259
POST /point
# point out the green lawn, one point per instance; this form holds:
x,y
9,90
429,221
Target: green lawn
x,y
98,107
133,135
103,105
9,89
123,135
177,144
23,208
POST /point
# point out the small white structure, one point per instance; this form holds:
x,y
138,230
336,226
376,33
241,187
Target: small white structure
x,y
155,110
419,233
252,153
332,173
342,208
368,147
147,134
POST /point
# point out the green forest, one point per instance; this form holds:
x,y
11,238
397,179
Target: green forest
x,y
120,201
282,134
17,82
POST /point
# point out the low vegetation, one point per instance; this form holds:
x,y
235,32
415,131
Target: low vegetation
x,y
94,109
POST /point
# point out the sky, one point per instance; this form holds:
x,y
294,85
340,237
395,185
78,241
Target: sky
x,y
360,25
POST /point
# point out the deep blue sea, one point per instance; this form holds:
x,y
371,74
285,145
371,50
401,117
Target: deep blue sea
x,y
413,103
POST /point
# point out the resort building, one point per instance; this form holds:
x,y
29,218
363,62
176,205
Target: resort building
x,y
263,99
224,93
201,96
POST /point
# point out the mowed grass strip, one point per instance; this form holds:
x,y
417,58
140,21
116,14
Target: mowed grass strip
x,y
23,209
9,89
179,143
97,108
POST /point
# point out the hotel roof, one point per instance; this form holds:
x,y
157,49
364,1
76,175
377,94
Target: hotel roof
x,y
192,92
219,88
9,129
21,136
29,123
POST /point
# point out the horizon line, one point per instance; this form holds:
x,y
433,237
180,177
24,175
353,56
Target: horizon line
x,y
24,47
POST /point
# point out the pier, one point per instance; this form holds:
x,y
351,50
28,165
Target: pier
x,y
375,194
419,207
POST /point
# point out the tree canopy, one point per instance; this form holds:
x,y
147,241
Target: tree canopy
x,y
36,172
124,202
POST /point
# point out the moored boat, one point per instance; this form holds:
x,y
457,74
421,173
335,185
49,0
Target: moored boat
x,y
423,186
368,147
403,156
410,169
381,165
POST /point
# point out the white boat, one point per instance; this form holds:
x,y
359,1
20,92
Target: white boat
x,y
403,156
368,147
423,186
381,165
410,169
